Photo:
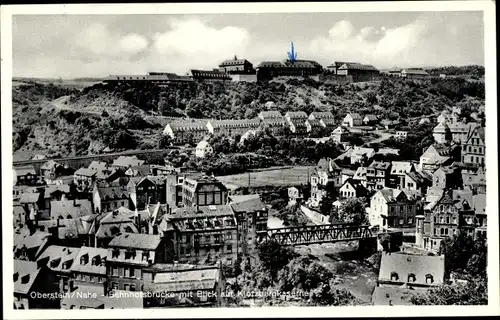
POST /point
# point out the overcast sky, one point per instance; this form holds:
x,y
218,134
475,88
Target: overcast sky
x,y
71,46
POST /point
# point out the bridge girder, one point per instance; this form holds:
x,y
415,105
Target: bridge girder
x,y
327,233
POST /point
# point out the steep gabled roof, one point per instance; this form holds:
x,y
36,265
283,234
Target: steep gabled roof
x,y
136,241
25,274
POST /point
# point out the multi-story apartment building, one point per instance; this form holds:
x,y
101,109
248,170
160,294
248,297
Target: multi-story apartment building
x,y
268,70
232,127
236,66
147,190
89,269
201,234
474,148
186,131
438,155
278,126
394,208
447,214
399,169
251,216
326,177
25,175
203,191
84,179
108,196
271,114
128,255
378,175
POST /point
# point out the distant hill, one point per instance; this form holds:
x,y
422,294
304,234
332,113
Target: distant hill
x,y
474,71
133,116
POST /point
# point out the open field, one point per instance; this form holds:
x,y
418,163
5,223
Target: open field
x,y
282,177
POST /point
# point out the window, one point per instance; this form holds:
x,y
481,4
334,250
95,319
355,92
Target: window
x,y
394,276
229,236
145,255
129,254
411,277
115,253
429,279
114,285
126,287
229,248
132,287
114,271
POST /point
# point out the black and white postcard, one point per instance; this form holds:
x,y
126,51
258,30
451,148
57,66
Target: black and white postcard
x,y
263,159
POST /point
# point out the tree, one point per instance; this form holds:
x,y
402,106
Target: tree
x,y
465,255
474,292
165,142
326,204
327,295
274,256
353,211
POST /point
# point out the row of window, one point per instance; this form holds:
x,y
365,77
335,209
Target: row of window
x,y
412,278
198,251
126,272
93,279
207,238
130,254
443,219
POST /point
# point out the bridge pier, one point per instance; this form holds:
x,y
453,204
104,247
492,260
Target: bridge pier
x,y
367,246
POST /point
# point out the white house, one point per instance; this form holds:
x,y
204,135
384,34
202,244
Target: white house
x,y
401,134
394,208
352,119
203,149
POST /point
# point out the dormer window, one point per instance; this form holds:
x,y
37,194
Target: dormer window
x,y
84,259
429,279
25,279
115,253
411,277
394,276
54,263
96,260
65,265
145,255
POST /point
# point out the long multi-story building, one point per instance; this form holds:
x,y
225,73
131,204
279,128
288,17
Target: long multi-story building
x,y
202,234
232,127
186,131
236,66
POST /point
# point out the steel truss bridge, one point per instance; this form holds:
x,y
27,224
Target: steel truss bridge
x,y
311,234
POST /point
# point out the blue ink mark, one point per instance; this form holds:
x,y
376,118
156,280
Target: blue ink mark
x,y
292,55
